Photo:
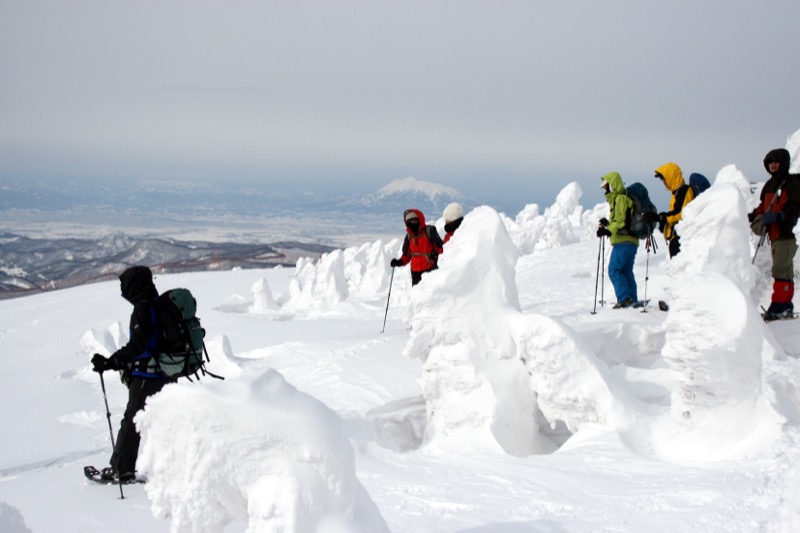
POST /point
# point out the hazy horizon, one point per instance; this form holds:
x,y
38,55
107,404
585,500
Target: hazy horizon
x,y
507,101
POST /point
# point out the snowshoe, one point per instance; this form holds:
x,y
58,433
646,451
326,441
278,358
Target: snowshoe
x,y
640,303
108,476
770,315
628,302
785,315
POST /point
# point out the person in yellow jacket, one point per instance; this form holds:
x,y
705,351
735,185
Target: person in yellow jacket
x,y
671,176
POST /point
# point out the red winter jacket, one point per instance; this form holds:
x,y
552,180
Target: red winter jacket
x,y
419,250
787,203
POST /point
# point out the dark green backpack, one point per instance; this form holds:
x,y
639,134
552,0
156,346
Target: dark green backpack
x,y
180,346
640,219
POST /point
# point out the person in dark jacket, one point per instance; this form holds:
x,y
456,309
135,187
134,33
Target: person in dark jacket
x,y
671,176
776,215
421,247
453,217
137,287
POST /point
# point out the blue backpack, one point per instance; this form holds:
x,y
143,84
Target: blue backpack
x,y
698,183
641,219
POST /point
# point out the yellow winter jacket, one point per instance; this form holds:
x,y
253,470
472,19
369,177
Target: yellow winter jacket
x,y
682,194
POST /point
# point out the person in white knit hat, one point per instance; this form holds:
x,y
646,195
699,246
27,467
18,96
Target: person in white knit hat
x,y
453,216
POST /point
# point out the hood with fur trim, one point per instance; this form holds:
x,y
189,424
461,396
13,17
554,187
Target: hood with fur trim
x,y
781,155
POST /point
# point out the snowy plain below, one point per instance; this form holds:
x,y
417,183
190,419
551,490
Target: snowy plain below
x,y
495,399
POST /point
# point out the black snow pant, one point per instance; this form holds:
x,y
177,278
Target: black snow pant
x,y
416,277
674,245
126,448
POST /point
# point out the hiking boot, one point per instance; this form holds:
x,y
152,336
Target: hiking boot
x,y
627,302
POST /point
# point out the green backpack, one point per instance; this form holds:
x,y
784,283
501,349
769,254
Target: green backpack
x,y
180,348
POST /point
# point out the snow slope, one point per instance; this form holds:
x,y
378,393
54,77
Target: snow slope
x,y
507,406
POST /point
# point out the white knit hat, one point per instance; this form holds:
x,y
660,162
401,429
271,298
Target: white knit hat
x,y
453,212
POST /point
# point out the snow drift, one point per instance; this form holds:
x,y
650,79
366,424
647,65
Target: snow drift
x,y
253,449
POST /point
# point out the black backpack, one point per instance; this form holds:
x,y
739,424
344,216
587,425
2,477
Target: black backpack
x,y
640,220
180,349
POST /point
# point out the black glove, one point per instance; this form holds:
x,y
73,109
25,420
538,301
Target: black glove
x,y
651,217
603,222
662,222
770,217
396,263
603,232
101,363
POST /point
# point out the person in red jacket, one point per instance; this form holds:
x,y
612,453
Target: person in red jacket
x,y
776,215
421,247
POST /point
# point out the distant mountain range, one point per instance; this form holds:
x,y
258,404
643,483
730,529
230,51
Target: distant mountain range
x,y
33,265
191,200
88,232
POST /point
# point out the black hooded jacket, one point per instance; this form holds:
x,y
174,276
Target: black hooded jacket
x,y
788,201
138,288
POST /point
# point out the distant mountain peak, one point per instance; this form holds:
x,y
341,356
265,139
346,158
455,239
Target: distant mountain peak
x,y
408,193
415,186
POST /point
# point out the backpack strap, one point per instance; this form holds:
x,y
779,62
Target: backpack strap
x,y
628,210
680,197
145,365
433,255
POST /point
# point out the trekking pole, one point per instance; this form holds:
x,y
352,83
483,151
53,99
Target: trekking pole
x,y
597,275
110,430
647,272
764,229
391,279
760,243
603,275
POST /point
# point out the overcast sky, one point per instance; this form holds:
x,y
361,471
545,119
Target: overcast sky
x,y
494,98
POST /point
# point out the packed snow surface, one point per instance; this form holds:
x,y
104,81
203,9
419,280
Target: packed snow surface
x,y
502,394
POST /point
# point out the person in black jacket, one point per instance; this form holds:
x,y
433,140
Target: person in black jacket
x,y
137,287
776,215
